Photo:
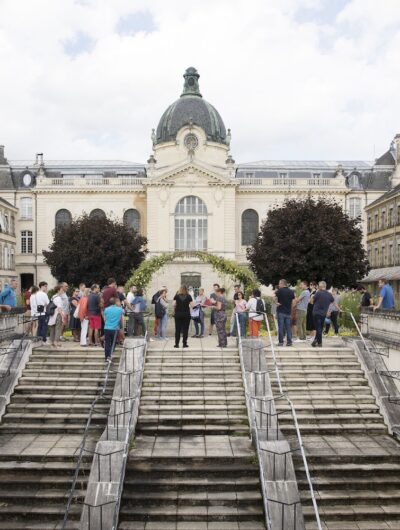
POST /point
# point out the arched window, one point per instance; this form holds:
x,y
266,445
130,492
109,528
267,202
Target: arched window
x,y
249,227
97,213
132,219
191,224
354,207
63,218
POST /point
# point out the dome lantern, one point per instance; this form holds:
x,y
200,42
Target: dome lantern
x,y
191,109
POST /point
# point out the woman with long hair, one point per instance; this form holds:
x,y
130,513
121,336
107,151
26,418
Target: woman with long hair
x,y
220,318
182,304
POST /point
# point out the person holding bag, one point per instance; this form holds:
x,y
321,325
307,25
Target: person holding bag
x,y
197,314
82,311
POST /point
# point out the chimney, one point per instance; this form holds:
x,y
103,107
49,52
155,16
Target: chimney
x,y
396,173
2,159
397,144
39,159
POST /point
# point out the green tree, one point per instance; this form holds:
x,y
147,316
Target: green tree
x,y
311,239
91,250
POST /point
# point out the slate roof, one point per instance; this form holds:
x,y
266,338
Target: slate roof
x,y
387,159
307,164
384,273
392,193
6,180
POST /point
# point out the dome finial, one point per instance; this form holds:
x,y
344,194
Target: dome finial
x,y
191,86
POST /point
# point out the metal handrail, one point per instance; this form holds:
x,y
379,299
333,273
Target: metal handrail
x,y
82,447
299,438
252,410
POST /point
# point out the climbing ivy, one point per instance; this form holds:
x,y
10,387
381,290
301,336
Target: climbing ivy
x,y
141,277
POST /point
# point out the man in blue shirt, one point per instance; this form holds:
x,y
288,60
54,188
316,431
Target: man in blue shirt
x,y
112,324
8,295
386,296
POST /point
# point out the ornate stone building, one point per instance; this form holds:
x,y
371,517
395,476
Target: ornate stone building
x,y
8,213
190,195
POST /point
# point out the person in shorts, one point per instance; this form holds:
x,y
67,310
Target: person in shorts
x,y
94,313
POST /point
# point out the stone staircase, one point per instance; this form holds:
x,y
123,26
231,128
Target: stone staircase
x,y
354,462
192,466
40,435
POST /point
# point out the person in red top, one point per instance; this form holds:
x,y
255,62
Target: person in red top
x,y
110,291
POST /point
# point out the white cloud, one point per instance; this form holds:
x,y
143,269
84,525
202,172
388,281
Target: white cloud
x,y
289,86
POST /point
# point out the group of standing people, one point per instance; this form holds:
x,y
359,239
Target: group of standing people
x,y
95,316
313,311
187,307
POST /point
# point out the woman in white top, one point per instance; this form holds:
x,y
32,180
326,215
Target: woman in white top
x,y
255,317
34,311
56,319
241,311
199,303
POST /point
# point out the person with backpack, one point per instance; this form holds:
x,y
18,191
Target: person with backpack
x,y
256,308
54,311
41,302
154,299
161,311
284,298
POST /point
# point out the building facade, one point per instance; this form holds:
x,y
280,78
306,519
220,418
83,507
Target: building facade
x,y
383,240
190,195
8,216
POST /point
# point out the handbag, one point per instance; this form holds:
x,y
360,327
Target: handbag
x,y
195,313
76,312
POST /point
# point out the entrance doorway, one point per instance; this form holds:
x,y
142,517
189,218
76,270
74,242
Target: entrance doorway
x,y
191,279
26,281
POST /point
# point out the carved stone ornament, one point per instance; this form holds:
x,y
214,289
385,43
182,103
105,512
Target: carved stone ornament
x,y
163,196
191,141
218,196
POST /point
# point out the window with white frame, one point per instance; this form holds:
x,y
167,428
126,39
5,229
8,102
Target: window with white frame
x,y
355,207
191,224
26,208
26,242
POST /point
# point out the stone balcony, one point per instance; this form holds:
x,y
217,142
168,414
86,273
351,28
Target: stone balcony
x,y
298,183
87,182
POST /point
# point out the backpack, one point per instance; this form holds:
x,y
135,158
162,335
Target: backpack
x,y
50,308
159,309
260,307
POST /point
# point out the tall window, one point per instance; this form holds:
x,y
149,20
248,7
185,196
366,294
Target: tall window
x,y
191,224
97,213
249,227
132,219
26,242
63,218
355,207
26,208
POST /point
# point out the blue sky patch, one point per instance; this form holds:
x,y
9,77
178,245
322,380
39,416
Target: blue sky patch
x,y
133,23
80,43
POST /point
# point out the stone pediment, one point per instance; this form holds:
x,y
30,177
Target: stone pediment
x,y
190,174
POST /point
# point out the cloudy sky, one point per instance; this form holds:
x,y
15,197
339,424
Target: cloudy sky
x,y
293,79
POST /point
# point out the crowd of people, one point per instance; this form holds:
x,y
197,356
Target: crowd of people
x,y
104,316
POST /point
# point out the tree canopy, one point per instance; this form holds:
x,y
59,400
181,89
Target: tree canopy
x,y
91,250
310,239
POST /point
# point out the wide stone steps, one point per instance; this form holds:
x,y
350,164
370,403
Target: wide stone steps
x,y
41,433
192,404
354,464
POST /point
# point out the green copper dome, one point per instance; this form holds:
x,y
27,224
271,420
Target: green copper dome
x,y
191,108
